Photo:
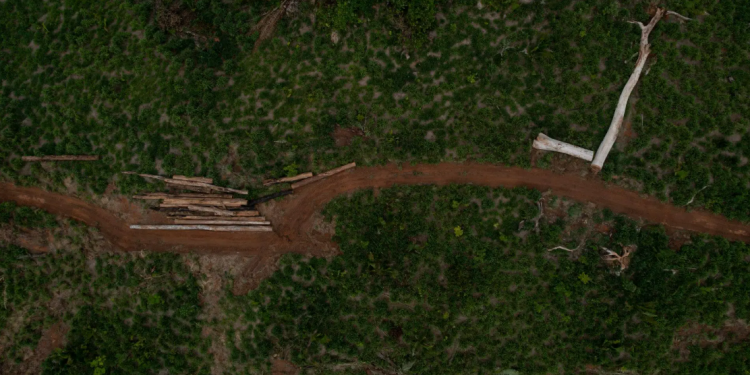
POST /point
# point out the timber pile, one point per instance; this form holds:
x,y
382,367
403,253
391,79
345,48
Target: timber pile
x,y
213,210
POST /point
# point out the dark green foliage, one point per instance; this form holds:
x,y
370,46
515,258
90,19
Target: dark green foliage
x,y
410,291
26,217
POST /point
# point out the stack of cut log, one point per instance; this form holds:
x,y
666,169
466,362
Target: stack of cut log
x,y
203,211
214,207
303,179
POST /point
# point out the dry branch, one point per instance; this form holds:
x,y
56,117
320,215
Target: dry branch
x,y
612,257
233,228
323,175
61,158
543,142
190,185
194,179
220,222
617,118
287,179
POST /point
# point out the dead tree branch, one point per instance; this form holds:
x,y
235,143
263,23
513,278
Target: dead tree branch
x,y
614,128
543,142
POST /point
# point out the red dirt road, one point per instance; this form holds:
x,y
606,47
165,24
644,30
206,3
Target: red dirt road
x,y
294,219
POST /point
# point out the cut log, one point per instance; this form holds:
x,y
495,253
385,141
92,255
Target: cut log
x,y
215,211
204,180
543,142
190,185
171,204
224,218
245,213
218,228
220,222
61,158
156,196
267,198
614,127
204,202
287,179
323,175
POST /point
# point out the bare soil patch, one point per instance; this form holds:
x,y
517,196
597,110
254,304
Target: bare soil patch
x,y
282,367
345,136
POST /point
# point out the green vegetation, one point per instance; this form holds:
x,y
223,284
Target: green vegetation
x,y
455,279
432,280
410,293
174,87
127,313
26,217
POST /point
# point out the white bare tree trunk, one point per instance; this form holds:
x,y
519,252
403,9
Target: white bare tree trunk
x,y
614,128
543,142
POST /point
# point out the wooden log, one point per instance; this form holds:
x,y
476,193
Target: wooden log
x,y
268,197
61,158
204,180
190,185
543,142
212,210
203,202
230,218
245,213
220,222
156,196
287,179
323,175
218,228
614,127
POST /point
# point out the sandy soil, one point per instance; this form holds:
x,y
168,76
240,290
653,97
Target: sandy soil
x,y
297,227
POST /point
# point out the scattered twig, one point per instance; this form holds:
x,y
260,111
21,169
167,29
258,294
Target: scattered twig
x,y
695,195
680,16
624,259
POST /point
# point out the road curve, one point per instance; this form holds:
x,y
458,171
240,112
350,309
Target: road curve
x,y
293,218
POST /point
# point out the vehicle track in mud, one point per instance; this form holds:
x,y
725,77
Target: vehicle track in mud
x,y
294,217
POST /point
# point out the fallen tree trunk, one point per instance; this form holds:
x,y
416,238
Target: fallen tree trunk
x,y
215,211
323,175
232,228
190,184
224,218
268,197
157,196
194,179
543,142
287,179
220,222
614,127
61,158
208,202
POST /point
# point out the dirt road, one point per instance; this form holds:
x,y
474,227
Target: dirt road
x,y
294,218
